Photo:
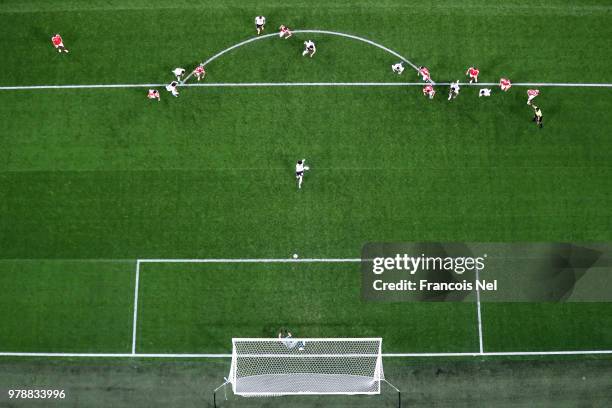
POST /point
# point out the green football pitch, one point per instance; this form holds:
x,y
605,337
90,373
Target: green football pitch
x,y
114,208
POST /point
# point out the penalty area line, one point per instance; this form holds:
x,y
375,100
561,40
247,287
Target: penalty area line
x,y
135,318
479,315
84,86
298,84
390,84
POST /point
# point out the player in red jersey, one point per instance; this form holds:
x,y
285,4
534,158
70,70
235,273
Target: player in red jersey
x,y
429,91
284,32
505,84
473,72
153,94
424,72
58,43
199,72
531,94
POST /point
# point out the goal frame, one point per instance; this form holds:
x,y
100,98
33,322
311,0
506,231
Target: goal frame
x,y
377,377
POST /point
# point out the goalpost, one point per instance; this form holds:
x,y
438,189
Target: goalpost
x,y
306,366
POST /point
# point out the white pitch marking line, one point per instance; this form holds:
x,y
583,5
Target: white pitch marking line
x,y
354,37
331,84
115,355
297,84
87,86
480,338
253,260
135,321
365,40
502,353
273,260
217,55
388,355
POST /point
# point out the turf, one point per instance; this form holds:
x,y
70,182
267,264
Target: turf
x,y
538,327
66,306
204,309
424,383
89,177
212,176
205,171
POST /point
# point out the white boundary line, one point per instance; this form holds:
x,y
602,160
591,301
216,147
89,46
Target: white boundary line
x,y
480,337
366,84
86,86
298,84
354,37
388,355
135,321
502,353
301,84
253,260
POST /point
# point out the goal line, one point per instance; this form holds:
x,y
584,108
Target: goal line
x,y
385,355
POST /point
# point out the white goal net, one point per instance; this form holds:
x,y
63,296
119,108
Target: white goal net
x,y
273,367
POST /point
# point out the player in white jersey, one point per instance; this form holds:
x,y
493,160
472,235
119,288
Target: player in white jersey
x,y
260,24
171,87
309,48
484,92
398,68
300,168
178,73
453,92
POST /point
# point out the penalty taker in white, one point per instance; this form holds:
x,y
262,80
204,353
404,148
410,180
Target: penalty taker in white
x,y
340,366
